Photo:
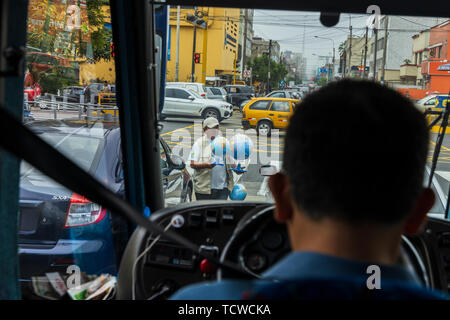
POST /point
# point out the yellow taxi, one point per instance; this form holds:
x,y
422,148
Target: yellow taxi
x,y
267,113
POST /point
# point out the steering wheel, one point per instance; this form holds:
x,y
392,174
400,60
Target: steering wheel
x,y
259,242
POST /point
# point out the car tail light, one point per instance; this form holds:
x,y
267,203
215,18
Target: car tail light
x,y
83,212
203,95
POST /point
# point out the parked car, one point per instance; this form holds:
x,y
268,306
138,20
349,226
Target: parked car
x,y
267,113
238,93
216,93
70,94
57,227
179,102
198,87
289,94
430,101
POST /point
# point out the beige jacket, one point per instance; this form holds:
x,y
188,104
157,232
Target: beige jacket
x,y
202,177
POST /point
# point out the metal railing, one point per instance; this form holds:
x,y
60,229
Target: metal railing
x,y
52,109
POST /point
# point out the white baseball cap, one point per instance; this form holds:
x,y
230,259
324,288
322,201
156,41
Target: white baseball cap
x,y
210,122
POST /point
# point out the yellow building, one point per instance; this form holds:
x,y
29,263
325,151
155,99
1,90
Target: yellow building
x,y
218,58
99,70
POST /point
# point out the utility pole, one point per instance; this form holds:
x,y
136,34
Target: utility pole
x,y
361,75
234,71
244,56
193,50
383,69
303,53
365,53
177,60
205,48
375,54
268,70
350,48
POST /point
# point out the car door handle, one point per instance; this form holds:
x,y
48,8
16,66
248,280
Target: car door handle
x,y
270,114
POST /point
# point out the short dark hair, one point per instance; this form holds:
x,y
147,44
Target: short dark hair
x,y
355,151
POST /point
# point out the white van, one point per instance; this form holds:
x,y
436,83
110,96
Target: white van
x,y
198,87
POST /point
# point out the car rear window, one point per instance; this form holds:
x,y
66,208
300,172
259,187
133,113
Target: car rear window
x,y
215,91
80,147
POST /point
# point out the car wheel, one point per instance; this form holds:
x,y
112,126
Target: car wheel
x,y
211,113
264,128
42,105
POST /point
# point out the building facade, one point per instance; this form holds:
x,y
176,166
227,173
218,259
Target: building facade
x,y
261,46
436,68
399,46
218,51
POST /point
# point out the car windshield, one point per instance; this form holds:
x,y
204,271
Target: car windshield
x,y
250,53
424,100
304,56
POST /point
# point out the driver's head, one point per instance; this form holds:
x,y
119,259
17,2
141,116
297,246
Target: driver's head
x,y
354,161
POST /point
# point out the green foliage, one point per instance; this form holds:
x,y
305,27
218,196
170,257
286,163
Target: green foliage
x,y
322,81
341,49
260,67
100,38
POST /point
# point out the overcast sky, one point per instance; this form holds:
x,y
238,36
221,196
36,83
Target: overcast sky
x,y
291,28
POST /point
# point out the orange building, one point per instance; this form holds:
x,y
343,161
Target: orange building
x,y
436,69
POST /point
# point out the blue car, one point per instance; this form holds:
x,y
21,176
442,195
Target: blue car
x,y
59,228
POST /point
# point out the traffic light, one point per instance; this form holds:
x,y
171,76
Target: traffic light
x,y
196,57
191,18
112,49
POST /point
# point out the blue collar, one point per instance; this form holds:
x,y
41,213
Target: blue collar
x,y
305,264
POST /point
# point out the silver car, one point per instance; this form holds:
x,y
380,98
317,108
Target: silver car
x,y
216,93
290,94
179,102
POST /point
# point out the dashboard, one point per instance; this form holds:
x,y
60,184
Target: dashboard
x,y
246,234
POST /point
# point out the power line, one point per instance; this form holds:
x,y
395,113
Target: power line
x,y
320,26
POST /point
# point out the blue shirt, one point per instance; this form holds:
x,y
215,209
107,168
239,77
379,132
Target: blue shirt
x,y
300,265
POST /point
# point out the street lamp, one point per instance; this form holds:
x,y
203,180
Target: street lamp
x,y
333,47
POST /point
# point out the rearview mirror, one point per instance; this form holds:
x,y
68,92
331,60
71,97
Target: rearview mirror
x,y
191,98
268,170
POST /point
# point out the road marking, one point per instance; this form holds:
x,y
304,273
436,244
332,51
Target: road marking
x,y
442,147
179,129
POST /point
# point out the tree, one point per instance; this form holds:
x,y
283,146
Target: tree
x,y
341,49
322,81
101,37
260,67
92,24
